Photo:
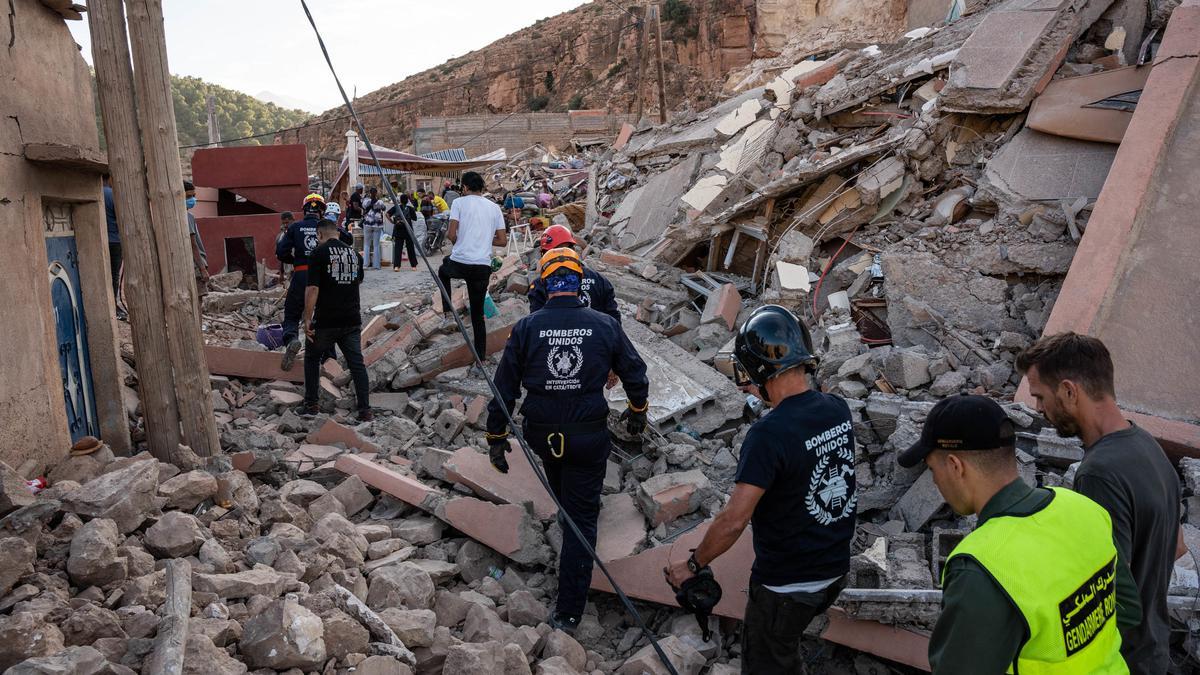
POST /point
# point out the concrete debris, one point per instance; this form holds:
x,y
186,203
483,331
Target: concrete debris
x,y
892,197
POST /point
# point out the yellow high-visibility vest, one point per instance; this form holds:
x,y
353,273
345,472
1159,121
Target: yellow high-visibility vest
x,y
1059,568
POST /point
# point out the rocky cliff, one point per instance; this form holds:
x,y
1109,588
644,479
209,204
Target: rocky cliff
x,y
585,58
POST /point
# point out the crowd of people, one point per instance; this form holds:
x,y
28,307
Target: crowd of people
x,y
1050,580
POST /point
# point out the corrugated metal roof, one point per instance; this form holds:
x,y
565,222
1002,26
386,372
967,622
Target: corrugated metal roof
x,y
447,155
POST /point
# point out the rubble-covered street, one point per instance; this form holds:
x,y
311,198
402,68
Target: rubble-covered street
x,y
919,204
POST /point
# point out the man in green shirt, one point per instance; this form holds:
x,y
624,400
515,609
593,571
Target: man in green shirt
x,y
1030,584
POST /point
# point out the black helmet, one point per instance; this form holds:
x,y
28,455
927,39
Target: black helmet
x,y
771,341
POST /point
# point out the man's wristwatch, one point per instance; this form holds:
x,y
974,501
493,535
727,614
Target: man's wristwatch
x,y
694,565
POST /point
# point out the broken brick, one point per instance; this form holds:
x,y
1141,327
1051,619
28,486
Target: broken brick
x,y
405,488
474,470
331,432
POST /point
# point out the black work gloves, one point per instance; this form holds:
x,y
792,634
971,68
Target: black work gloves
x,y
498,447
635,419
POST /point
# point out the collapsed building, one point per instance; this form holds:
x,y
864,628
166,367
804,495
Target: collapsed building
x,y
923,205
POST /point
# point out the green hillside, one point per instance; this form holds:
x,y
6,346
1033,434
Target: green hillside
x,y
238,114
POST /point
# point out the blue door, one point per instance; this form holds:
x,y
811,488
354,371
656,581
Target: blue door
x,y
70,324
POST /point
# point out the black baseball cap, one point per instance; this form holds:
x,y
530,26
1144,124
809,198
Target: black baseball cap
x,y
961,423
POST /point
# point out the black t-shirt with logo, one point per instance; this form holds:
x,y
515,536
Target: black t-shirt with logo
x,y
337,270
802,455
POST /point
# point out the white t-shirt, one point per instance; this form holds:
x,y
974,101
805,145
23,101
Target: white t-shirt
x,y
478,221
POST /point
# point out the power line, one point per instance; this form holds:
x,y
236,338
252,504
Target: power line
x,y
564,517
473,80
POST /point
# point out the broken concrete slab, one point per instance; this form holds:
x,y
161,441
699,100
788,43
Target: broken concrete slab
x,y
331,432
1013,52
1074,107
700,398
647,210
705,190
740,118
621,527
506,528
1037,166
405,488
474,470
920,503
723,305
744,151
251,364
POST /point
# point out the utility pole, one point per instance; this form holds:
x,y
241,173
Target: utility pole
x,y
662,90
143,282
214,129
164,180
643,39
351,159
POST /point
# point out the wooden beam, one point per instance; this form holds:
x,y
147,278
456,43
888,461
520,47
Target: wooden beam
x,y
171,641
164,179
143,283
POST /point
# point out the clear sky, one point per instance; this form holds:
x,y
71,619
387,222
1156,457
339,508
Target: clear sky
x,y
258,46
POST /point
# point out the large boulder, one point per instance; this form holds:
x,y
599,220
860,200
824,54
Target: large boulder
x,y
403,585
94,558
338,536
187,490
89,623
285,635
25,635
175,535
81,660
202,657
16,560
261,580
14,493
126,496
414,627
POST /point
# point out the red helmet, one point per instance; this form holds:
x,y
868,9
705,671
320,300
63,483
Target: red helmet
x,y
557,236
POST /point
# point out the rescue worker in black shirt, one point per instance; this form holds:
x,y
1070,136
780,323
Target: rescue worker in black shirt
x,y
595,291
795,482
562,356
294,247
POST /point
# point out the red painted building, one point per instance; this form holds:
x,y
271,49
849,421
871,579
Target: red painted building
x,y
249,187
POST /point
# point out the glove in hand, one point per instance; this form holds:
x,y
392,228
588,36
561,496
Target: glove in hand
x,y
635,421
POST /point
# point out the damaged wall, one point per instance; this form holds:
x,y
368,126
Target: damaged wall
x,y
51,210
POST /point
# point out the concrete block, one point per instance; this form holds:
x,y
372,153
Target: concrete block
x,y
668,496
449,423
906,369
1055,450
723,305
920,503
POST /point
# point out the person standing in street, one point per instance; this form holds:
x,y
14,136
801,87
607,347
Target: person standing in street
x,y
354,207
795,483
295,247
1123,469
114,248
1039,586
596,291
562,355
332,316
476,225
199,255
373,224
400,213
450,193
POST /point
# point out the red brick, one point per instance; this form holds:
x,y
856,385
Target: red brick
x,y
623,135
373,329
405,488
475,409
723,304
331,432
673,503
401,338
621,528
251,364
474,470
497,526
610,257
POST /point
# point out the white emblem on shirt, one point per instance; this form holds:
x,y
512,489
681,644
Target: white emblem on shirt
x,y
564,362
829,499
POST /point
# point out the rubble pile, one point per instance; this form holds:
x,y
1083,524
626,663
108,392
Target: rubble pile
x,y
897,197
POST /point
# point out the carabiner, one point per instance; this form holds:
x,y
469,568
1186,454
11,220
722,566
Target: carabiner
x,y
562,444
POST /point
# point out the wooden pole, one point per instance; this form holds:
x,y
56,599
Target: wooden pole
x,y
142,282
214,129
643,38
662,89
164,178
171,641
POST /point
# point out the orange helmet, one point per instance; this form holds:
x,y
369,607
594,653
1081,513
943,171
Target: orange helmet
x,y
557,236
560,258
